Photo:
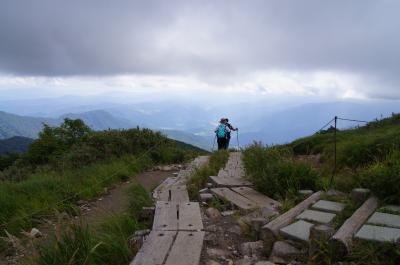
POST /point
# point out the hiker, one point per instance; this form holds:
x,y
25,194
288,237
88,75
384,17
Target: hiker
x,y
228,134
223,133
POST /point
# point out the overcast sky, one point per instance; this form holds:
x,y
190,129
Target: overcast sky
x,y
329,49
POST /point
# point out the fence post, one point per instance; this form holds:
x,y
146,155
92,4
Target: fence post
x,y
335,154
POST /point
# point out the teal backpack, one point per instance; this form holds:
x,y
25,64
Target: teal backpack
x,y
221,131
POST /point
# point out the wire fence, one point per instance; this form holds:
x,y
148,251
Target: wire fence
x,y
335,126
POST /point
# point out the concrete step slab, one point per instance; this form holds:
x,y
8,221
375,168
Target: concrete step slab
x,y
328,206
299,230
378,233
385,219
316,216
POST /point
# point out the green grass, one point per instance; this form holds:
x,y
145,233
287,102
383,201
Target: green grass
x,y
275,172
200,178
104,243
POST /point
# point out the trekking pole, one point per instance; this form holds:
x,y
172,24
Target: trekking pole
x,y
215,137
237,138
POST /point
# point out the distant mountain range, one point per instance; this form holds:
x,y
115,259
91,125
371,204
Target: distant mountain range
x,y
16,144
15,125
271,122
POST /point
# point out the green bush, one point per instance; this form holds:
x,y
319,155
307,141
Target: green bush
x,y
200,178
276,173
138,198
106,243
383,177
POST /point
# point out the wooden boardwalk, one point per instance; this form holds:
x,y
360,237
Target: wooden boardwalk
x,y
177,224
232,187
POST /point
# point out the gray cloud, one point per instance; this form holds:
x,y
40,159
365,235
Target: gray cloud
x,y
100,37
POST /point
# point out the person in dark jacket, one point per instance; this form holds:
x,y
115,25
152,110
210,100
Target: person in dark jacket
x,y
228,134
221,134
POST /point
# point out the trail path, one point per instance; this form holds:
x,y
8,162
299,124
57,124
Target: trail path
x,y
177,236
116,200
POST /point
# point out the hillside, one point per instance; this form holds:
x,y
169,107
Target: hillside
x,y
25,126
16,144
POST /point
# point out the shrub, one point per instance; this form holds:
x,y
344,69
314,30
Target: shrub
x,y
199,179
138,198
383,177
274,171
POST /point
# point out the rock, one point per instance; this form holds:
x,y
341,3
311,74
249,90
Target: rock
x,y
359,194
306,193
143,232
250,249
264,262
245,261
217,253
335,193
211,228
82,202
211,239
283,252
209,185
212,262
257,223
206,197
228,213
34,233
213,214
235,230
204,190
147,213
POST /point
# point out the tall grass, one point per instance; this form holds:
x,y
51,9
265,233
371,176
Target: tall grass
x,y
200,178
383,177
275,172
107,242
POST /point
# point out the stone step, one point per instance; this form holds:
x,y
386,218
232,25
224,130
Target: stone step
x,y
299,230
385,219
316,216
328,206
378,233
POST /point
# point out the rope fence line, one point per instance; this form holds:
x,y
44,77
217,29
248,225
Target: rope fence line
x,y
335,120
82,191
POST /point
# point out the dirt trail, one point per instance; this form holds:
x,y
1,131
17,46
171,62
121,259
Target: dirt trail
x,y
116,200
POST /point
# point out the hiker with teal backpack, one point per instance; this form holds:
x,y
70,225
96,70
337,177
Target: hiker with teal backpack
x,y
223,132
228,134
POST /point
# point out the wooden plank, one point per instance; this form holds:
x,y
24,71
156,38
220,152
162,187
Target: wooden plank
x,y
230,182
235,198
189,216
165,216
271,230
343,238
155,248
186,249
257,197
174,193
157,192
179,194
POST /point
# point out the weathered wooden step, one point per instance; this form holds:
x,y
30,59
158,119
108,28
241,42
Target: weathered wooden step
x,y
235,198
155,248
174,193
257,197
229,182
172,216
186,249
165,216
189,217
